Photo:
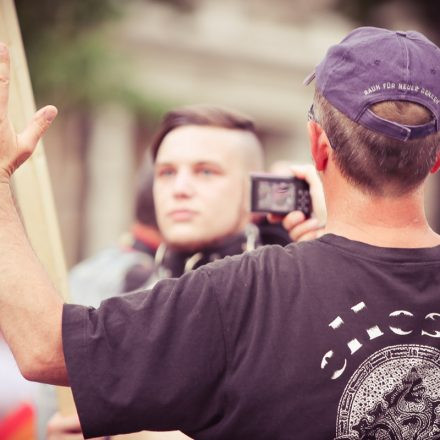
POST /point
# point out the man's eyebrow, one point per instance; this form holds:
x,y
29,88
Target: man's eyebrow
x,y
211,164
161,164
207,162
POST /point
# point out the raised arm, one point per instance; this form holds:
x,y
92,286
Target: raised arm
x,y
30,308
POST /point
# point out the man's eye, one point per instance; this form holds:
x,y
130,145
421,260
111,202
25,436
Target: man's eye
x,y
166,172
205,172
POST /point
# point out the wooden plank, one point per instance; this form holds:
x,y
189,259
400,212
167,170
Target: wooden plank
x,y
31,182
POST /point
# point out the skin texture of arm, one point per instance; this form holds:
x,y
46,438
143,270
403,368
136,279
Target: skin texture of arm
x,y
30,307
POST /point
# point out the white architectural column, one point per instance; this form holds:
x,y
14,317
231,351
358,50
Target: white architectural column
x,y
110,164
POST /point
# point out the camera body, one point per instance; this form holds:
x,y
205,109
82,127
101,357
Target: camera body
x,y
279,194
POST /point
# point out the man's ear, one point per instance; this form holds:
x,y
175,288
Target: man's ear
x,y
436,166
319,145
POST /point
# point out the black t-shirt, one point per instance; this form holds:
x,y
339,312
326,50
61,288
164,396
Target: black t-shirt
x,y
318,340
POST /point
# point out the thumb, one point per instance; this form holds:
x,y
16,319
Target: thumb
x,y
41,121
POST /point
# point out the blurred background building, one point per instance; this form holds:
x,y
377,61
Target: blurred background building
x,y
114,67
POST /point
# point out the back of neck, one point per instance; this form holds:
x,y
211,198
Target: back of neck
x,y
381,221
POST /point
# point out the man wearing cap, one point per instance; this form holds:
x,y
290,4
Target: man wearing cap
x,y
333,338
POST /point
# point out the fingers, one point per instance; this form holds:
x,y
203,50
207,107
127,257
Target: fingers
x,y
4,81
304,171
274,218
300,229
28,139
309,173
288,221
307,230
311,235
292,220
14,150
62,425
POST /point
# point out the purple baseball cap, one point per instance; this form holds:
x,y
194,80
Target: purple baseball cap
x,y
371,65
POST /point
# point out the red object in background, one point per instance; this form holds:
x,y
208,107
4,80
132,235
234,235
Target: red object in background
x,y
19,424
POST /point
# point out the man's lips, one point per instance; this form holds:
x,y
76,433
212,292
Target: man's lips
x,y
182,215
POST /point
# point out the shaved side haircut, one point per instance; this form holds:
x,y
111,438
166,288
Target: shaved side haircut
x,y
213,116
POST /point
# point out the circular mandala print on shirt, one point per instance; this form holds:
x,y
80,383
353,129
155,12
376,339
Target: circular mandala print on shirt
x,y
393,395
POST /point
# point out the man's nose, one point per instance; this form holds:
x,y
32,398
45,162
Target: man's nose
x,y
184,184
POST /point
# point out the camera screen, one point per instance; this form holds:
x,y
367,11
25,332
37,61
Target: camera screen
x,y
276,196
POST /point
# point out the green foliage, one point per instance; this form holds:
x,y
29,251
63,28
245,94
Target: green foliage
x,y
181,5
363,11
74,73
359,10
63,18
71,60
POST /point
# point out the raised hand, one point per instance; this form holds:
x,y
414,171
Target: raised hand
x,y
16,148
296,224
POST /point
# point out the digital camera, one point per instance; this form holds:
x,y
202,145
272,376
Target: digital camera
x,y
279,195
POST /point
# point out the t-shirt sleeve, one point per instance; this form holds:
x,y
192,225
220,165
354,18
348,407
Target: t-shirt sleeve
x,y
151,360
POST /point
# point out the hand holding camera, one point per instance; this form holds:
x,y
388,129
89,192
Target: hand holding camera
x,y
297,201
279,195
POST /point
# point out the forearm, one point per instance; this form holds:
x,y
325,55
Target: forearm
x,y
30,308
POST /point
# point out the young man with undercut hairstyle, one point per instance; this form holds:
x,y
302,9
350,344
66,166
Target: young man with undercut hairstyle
x,y
203,155
332,338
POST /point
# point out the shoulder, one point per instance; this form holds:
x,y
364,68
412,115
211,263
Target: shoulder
x,y
267,265
262,257
249,268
